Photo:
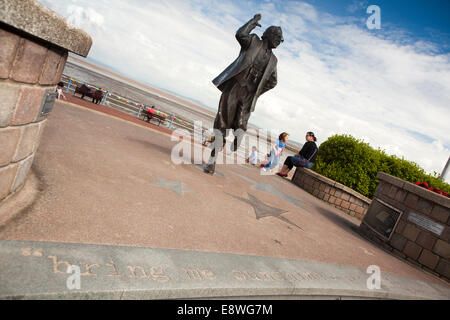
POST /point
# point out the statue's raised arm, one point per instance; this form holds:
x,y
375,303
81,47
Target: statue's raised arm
x,y
243,34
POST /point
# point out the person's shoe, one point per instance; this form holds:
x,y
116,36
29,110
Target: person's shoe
x,y
284,175
210,168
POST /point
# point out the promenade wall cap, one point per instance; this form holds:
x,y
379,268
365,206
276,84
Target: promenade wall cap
x,y
35,19
391,179
411,187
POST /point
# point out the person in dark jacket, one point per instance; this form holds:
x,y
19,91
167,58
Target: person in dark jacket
x,y
304,158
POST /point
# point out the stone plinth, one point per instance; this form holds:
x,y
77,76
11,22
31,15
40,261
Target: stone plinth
x,y
34,44
412,223
336,194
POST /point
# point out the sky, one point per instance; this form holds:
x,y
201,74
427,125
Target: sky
x,y
389,87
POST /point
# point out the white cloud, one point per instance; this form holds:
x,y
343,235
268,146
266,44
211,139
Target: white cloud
x,y
334,75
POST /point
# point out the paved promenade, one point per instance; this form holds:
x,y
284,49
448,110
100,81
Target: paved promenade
x,y
105,179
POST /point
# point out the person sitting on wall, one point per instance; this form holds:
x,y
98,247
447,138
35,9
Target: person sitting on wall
x,y
275,152
304,158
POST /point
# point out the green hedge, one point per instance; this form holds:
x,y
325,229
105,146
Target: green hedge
x,y
355,164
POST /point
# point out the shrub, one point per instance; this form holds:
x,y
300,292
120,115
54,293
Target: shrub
x,y
355,164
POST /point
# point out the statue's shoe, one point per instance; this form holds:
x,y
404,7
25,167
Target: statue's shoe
x,y
210,168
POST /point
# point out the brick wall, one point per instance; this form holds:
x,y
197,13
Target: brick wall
x,y
336,194
409,240
29,69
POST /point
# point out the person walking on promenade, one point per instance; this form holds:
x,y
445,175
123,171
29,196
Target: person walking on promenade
x,y
59,91
276,152
304,158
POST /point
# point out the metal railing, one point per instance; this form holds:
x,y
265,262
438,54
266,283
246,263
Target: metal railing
x,y
135,108
127,105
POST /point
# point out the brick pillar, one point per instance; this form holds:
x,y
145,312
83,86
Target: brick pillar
x,y
33,53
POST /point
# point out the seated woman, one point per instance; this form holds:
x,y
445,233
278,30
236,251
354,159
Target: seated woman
x,y
305,157
276,152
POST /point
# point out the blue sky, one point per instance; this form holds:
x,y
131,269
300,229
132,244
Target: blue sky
x,y
390,87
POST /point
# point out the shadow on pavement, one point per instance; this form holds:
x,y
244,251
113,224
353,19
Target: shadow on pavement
x,y
338,220
151,145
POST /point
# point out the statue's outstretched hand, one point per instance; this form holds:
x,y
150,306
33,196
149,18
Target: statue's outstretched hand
x,y
256,18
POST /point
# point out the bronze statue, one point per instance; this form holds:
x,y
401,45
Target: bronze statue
x,y
253,73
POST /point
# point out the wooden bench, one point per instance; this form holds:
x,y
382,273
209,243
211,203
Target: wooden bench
x,y
147,116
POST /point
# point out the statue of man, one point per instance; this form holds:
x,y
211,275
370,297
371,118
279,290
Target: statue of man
x,y
253,73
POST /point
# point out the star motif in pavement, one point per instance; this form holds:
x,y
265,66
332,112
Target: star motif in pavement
x,y
263,210
175,186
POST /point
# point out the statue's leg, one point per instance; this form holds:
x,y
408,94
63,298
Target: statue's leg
x,y
241,117
217,146
224,120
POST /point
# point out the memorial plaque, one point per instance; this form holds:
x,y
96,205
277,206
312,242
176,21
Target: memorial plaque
x,y
49,101
382,218
425,223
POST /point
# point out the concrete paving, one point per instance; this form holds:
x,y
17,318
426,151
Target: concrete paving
x,y
105,180
38,270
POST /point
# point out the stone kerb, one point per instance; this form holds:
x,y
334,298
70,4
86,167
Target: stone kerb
x,y
31,64
421,234
336,194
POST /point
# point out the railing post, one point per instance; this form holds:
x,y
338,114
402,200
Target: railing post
x,y
104,97
68,84
171,122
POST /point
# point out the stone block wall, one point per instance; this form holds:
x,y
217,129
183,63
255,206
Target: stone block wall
x,y
32,58
28,71
425,247
336,194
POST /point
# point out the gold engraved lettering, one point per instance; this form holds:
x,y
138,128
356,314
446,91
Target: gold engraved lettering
x,y
38,253
333,277
290,277
316,276
308,276
277,275
265,275
193,274
116,271
252,275
88,271
209,275
133,272
26,252
56,264
299,276
238,275
158,274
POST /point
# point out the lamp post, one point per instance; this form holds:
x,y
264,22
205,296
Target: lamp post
x,y
444,172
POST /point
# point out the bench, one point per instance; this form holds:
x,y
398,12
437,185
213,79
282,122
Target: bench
x,y
147,116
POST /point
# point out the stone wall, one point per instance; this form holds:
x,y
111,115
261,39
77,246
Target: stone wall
x,y
30,67
421,233
336,194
